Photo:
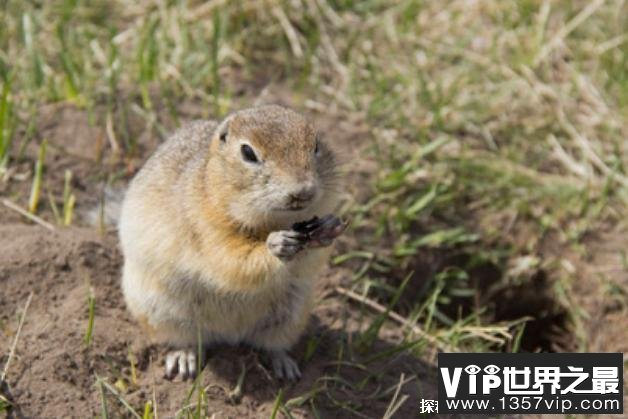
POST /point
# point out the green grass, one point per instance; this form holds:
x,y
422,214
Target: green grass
x,y
6,128
4,404
497,134
104,385
91,313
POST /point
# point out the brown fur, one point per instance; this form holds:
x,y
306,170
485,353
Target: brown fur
x,y
196,219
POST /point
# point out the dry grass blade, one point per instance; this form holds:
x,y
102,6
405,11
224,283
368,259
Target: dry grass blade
x,y
568,162
101,382
328,45
33,200
567,29
104,410
111,136
393,316
291,33
588,149
394,403
17,337
28,215
611,43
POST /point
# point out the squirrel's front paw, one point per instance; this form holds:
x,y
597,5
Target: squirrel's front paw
x,y
285,244
321,232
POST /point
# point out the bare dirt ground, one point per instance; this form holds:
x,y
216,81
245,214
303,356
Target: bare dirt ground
x,y
53,373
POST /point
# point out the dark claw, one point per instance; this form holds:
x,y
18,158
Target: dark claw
x,y
320,231
307,226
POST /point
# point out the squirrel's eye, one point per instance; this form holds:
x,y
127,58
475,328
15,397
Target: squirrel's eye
x,y
317,147
248,154
223,136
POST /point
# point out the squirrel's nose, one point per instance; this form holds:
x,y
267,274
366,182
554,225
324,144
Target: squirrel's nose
x,y
303,195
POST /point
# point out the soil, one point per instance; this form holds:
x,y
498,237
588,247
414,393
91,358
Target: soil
x,y
54,372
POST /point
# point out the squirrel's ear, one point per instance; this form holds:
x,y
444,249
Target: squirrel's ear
x,y
223,135
223,131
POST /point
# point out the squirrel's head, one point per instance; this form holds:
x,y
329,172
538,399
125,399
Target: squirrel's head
x,y
273,165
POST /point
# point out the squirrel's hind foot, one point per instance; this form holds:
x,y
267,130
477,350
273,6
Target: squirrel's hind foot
x,y
183,363
284,366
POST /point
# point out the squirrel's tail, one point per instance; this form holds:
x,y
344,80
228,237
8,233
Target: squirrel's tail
x,y
107,212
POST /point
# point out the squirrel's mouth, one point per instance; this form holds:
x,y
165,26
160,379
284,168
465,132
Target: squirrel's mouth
x,y
294,208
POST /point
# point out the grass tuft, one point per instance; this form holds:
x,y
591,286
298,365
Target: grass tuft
x,y
33,200
91,308
104,385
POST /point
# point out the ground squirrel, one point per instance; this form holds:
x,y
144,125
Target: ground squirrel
x,y
214,240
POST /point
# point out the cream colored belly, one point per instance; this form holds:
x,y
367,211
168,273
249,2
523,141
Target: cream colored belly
x,y
187,307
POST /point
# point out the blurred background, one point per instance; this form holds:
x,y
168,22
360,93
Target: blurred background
x,y
486,150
